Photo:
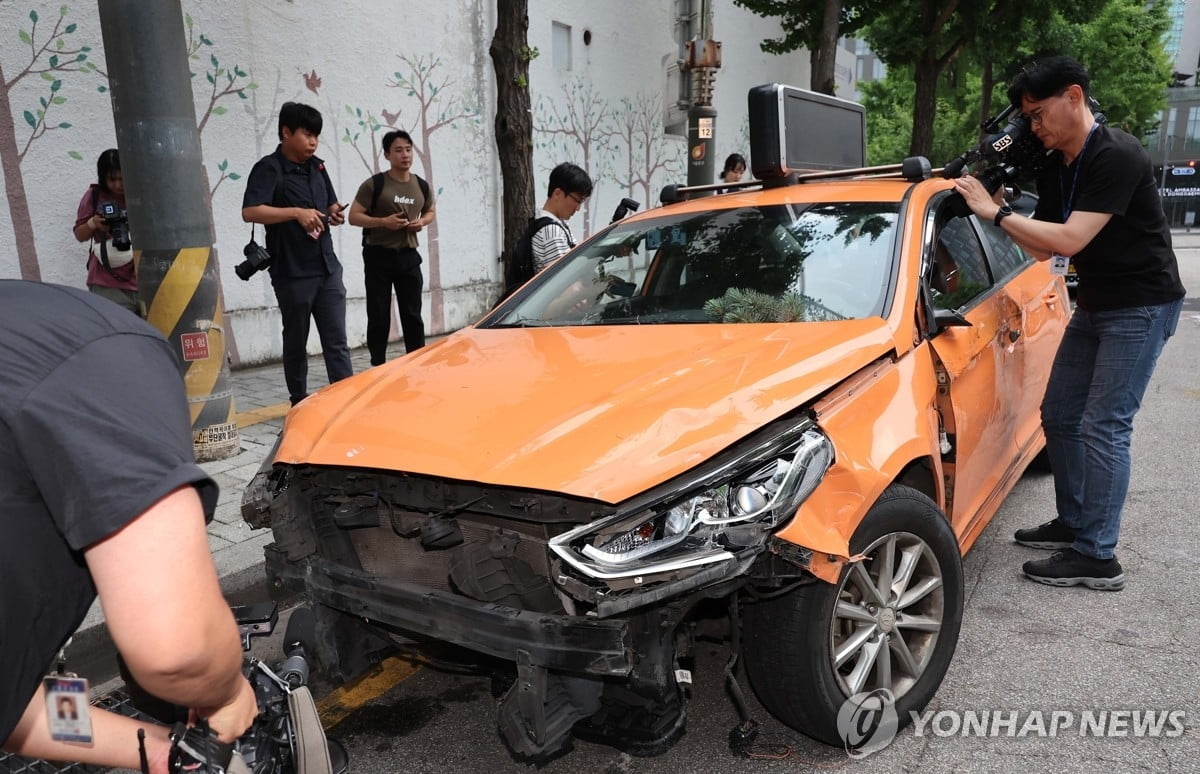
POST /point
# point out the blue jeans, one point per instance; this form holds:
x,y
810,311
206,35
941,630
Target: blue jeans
x,y
1096,386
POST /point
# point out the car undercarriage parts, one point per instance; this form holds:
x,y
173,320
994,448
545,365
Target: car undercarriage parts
x,y
492,572
538,712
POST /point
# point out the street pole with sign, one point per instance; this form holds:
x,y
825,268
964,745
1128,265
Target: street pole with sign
x,y
703,61
178,282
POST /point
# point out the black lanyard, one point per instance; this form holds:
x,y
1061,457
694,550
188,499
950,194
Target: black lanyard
x,y
1069,198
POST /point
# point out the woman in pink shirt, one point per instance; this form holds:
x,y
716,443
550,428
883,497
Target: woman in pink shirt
x,y
100,220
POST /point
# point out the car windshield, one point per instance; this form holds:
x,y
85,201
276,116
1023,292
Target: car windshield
x,y
779,263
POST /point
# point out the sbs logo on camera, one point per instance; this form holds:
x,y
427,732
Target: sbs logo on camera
x,y
867,722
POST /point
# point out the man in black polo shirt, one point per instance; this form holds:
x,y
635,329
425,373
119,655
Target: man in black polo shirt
x,y
1099,205
100,495
290,193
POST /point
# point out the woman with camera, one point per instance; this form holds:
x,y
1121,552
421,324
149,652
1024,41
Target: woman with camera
x,y
101,220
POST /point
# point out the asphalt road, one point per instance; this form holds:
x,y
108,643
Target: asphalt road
x,y
1023,648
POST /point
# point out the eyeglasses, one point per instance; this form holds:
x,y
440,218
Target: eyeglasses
x,y
579,200
1035,116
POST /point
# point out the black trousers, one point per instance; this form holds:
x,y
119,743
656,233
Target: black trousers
x,y
385,269
323,299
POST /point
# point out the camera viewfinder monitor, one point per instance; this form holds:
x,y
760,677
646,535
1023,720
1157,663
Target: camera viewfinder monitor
x,y
796,130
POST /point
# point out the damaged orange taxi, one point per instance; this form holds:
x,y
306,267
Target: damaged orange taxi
x,y
798,403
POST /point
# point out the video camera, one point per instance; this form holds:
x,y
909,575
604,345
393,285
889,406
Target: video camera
x,y
1013,147
118,225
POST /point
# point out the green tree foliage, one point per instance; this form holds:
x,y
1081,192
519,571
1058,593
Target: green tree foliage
x,y
1120,41
890,119
1124,52
814,25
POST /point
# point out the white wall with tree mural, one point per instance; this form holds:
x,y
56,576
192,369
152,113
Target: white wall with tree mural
x,y
598,86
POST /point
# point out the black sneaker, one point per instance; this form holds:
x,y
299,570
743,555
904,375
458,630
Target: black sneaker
x,y
1052,535
1071,568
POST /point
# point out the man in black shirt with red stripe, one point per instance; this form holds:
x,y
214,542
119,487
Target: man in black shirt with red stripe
x,y
289,192
1098,205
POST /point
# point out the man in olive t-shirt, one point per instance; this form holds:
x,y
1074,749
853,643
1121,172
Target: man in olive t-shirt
x,y
391,217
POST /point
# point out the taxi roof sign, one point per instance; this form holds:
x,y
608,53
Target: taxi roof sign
x,y
795,130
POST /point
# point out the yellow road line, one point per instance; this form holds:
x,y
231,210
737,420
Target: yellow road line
x,y
254,416
338,705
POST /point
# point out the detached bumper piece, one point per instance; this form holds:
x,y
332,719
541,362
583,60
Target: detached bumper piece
x,y
568,668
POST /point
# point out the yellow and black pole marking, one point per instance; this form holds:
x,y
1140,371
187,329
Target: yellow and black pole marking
x,y
182,294
167,196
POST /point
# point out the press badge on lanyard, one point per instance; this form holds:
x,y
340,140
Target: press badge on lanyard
x,y
68,711
1059,264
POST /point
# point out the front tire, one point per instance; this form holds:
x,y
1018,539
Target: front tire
x,y
891,622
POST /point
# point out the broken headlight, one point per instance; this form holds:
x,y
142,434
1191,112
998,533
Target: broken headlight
x,y
732,508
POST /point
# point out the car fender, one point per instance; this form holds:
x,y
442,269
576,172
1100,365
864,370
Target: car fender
x,y
872,449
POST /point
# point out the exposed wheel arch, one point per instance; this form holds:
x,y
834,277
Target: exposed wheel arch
x,y
809,650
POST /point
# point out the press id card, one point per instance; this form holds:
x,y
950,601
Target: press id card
x,y
68,711
1059,265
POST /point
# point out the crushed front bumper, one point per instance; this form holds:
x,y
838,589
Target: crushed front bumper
x,y
557,642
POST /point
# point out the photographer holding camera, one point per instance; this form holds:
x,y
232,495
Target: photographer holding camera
x,y
92,504
1098,206
101,220
290,193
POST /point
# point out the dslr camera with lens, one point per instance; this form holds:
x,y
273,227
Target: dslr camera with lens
x,y
117,222
257,259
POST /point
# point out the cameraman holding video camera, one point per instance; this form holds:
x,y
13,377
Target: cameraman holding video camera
x,y
1098,206
92,504
100,219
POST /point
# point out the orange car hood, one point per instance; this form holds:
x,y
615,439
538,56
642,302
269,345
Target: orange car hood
x,y
597,412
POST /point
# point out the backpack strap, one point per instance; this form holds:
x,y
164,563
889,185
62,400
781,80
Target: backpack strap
x,y
376,190
277,168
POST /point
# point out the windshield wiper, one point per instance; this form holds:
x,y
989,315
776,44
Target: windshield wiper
x,y
524,322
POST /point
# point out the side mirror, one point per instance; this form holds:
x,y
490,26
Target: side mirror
x,y
949,318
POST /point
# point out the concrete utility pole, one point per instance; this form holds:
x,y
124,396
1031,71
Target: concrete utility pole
x,y
178,284
703,61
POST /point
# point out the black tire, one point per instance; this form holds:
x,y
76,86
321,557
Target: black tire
x,y
791,640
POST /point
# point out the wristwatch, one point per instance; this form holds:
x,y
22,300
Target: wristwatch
x,y
1002,213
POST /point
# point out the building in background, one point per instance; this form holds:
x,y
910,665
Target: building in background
x,y
1175,145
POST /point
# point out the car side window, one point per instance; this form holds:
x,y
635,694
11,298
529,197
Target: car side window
x,y
1007,257
960,270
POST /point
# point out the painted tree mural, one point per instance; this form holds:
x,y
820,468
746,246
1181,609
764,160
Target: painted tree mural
x,y
580,124
638,130
439,106
223,82
50,54
366,134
